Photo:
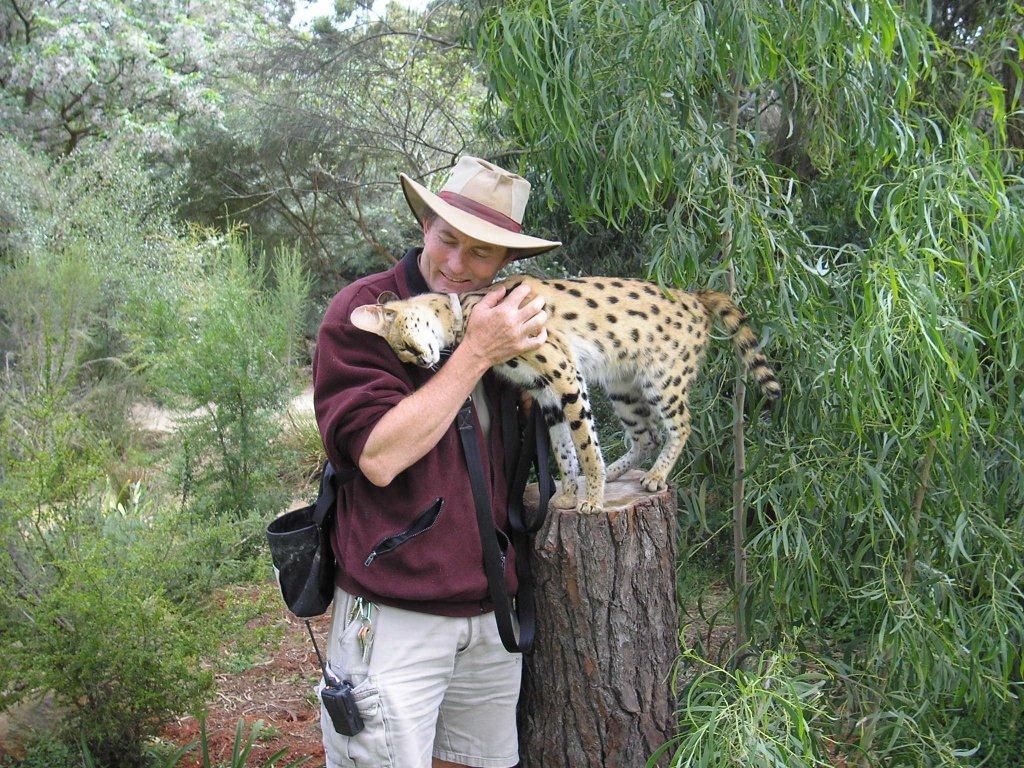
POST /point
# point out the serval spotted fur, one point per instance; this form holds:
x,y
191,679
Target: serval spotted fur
x,y
642,343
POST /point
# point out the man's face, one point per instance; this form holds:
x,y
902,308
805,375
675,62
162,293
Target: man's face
x,y
453,262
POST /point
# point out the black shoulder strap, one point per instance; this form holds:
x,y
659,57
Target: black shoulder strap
x,y
327,496
494,562
535,452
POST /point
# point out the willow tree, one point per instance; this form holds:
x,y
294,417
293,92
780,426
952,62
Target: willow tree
x,y
844,169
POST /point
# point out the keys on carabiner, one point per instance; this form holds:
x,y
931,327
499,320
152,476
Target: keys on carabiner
x,y
362,611
355,610
366,641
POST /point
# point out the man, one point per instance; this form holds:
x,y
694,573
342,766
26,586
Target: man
x,y
412,626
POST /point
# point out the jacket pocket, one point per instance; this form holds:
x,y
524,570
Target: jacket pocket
x,y
504,544
420,525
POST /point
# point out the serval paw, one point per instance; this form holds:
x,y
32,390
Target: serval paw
x,y
618,469
653,483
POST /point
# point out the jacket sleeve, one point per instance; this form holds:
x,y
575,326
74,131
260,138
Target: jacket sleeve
x,y
357,378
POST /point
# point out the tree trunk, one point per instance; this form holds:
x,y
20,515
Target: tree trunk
x,y
596,690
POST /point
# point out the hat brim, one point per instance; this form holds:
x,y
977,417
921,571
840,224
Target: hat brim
x,y
421,200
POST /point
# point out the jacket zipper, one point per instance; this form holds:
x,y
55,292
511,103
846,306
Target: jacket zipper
x,y
420,525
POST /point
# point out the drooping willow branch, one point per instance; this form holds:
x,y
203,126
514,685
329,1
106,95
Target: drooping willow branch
x,y
739,511
923,481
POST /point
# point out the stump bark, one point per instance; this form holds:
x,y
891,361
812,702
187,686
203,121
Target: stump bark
x,y
596,690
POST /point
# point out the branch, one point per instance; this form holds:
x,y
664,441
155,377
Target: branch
x,y
26,22
739,510
916,507
392,32
368,235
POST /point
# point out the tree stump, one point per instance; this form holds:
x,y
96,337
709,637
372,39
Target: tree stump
x,y
596,689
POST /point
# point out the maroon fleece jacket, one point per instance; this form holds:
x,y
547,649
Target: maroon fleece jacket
x,y
413,544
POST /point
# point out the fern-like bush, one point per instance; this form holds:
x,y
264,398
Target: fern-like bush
x,y
223,349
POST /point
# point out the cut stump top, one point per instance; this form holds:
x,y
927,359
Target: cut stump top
x,y
624,502
619,494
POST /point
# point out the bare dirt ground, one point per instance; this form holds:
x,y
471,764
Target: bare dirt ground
x,y
277,690
153,418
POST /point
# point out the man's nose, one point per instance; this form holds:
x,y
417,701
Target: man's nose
x,y
457,261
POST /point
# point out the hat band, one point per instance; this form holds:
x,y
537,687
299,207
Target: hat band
x,y
481,211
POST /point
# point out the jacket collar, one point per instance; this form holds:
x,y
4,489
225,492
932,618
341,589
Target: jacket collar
x,y
410,280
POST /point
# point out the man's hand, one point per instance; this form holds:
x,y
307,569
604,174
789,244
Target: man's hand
x,y
502,327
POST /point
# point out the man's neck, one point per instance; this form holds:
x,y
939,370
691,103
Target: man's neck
x,y
410,263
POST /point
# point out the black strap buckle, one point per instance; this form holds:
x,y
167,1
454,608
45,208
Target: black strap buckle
x,y
464,420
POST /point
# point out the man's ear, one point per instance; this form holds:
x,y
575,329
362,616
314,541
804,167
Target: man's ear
x,y
372,318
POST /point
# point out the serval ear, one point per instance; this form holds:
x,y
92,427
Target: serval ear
x,y
387,297
372,318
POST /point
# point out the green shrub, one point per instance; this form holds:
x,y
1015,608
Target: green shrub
x,y
87,617
302,437
50,304
225,353
997,734
83,243
45,754
128,653
767,712
213,553
84,600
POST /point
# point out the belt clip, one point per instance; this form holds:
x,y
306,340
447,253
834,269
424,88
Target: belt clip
x,y
465,418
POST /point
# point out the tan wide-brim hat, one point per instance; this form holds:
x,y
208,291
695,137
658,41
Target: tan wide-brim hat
x,y
482,201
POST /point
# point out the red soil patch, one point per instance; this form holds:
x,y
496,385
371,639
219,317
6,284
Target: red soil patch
x,y
278,691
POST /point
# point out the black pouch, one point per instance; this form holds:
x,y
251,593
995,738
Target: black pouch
x,y
300,548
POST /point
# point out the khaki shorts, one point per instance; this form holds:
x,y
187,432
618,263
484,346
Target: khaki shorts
x,y
430,686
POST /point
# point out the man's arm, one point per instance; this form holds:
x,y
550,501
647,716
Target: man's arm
x,y
498,330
